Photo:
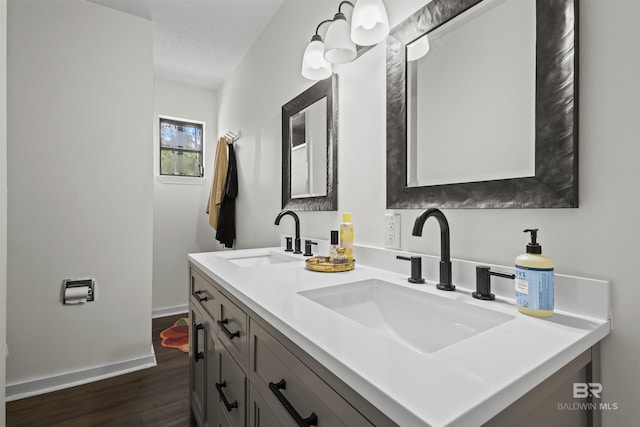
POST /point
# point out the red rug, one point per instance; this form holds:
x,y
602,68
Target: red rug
x,y
177,336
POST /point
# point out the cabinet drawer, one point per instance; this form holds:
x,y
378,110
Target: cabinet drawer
x,y
204,294
291,390
232,331
231,390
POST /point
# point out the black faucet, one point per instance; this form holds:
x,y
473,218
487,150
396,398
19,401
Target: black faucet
x,y
445,249
297,220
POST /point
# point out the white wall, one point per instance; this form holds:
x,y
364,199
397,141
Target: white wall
x,y
600,239
80,179
3,201
180,225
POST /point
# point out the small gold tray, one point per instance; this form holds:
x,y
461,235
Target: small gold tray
x,y
322,264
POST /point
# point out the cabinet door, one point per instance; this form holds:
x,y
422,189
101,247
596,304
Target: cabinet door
x,y
260,415
204,370
231,390
197,369
213,416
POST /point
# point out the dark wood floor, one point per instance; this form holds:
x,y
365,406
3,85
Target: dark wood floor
x,y
156,396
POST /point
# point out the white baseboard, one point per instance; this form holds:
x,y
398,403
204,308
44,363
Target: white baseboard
x,y
72,379
170,311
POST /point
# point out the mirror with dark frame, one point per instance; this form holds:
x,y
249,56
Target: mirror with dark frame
x,y
310,149
477,119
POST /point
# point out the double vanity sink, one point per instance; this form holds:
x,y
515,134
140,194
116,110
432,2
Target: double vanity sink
x,y
421,356
422,321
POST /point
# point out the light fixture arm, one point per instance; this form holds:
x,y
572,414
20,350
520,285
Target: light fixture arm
x,y
347,2
320,24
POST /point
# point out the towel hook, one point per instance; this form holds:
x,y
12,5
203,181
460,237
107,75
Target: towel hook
x,y
231,137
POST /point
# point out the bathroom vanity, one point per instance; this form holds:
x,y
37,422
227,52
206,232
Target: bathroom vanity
x,y
273,343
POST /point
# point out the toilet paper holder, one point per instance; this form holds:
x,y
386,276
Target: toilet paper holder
x,y
78,283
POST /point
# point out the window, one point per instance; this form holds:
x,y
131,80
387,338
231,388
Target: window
x,y
181,144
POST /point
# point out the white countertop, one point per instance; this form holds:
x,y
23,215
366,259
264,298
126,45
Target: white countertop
x,y
466,383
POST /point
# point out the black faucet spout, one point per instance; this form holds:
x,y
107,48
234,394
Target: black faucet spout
x,y
445,244
297,221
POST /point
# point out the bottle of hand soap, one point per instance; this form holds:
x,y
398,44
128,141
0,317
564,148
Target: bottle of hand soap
x,y
346,234
534,280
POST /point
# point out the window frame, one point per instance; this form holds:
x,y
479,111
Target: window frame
x,y
185,122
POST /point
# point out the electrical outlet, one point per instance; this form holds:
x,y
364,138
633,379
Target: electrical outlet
x,y
392,231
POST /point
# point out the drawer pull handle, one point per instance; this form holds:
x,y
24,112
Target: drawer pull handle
x,y
227,405
222,324
197,355
311,420
198,297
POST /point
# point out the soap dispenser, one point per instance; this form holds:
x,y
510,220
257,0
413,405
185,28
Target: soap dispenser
x,y
534,280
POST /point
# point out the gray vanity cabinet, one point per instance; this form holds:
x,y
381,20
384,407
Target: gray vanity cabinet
x,y
245,373
254,376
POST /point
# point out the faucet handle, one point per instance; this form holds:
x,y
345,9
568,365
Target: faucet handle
x,y
483,282
289,241
307,247
416,268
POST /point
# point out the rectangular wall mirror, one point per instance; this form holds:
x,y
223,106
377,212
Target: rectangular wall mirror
x,y
308,134
309,149
481,109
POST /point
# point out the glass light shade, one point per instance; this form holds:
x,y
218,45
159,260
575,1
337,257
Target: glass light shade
x,y
339,48
369,22
314,66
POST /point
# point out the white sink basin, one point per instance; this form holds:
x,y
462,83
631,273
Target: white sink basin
x,y
423,321
259,259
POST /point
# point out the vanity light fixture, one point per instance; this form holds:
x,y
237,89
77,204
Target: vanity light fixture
x,y
369,26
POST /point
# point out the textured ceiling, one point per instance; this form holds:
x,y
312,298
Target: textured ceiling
x,y
199,42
